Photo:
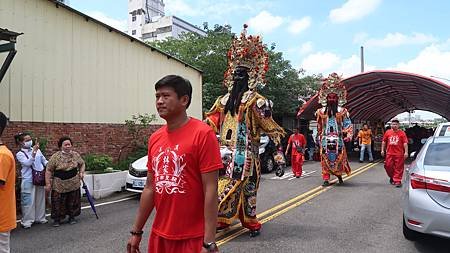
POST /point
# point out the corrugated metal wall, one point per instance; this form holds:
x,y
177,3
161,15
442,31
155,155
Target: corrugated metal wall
x,y
68,69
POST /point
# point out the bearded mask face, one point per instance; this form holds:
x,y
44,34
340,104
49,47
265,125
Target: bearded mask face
x,y
240,85
332,104
332,99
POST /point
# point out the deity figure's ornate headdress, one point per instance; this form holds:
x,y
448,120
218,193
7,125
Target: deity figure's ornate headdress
x,y
249,52
333,84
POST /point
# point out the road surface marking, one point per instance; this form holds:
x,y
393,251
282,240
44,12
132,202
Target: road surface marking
x,y
305,174
307,196
100,204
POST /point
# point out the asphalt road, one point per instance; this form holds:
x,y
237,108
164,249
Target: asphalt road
x,y
363,215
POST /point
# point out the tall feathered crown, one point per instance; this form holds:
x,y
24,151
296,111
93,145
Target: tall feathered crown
x,y
333,84
249,52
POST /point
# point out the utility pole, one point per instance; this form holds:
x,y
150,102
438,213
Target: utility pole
x,y
362,59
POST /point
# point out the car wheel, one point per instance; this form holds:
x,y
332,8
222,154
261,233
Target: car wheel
x,y
410,234
267,164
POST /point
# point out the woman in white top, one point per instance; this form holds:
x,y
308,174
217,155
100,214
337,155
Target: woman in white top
x,y
32,196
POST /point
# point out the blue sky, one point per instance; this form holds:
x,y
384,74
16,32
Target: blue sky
x,y
323,36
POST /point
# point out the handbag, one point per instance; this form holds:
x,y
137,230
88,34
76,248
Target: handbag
x,y
38,177
299,149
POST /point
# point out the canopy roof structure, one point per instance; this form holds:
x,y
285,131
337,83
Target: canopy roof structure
x,y
381,95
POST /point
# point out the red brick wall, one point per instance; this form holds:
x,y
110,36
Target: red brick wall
x,y
87,138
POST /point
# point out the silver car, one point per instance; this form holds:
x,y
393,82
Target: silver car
x,y
426,190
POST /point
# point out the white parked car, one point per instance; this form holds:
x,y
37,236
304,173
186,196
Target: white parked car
x,y
137,175
426,189
442,129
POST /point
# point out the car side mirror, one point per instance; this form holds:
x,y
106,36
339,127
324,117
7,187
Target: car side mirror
x,y
413,154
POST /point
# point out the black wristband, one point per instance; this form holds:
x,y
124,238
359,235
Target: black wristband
x,y
138,233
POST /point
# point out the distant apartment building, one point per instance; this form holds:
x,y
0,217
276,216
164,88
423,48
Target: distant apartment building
x,y
147,21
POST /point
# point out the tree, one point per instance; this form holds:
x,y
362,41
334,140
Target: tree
x,y
208,53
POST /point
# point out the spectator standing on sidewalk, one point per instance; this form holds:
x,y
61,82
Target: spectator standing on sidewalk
x,y
7,190
65,169
183,164
395,143
365,142
32,195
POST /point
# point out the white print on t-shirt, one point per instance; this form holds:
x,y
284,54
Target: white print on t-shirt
x,y
168,167
393,140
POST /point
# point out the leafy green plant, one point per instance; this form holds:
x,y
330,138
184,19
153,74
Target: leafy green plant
x,y
97,162
136,125
133,156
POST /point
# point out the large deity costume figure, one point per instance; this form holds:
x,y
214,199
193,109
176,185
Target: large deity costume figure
x,y
239,118
334,126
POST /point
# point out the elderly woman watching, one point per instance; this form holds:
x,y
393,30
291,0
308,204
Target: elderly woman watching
x,y
65,169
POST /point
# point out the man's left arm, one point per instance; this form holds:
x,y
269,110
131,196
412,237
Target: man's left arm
x,y
209,180
210,162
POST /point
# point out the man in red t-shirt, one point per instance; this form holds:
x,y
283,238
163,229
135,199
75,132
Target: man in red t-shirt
x,y
395,143
298,142
183,163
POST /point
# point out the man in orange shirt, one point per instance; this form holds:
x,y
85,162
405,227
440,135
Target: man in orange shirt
x,y
7,190
365,142
298,143
396,145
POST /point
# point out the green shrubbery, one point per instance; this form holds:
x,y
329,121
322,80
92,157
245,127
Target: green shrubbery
x,y
97,162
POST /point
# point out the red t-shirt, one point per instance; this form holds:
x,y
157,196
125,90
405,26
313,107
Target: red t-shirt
x,y
177,159
297,140
394,142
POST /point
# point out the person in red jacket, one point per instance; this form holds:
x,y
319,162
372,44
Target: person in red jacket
x,y
395,148
298,143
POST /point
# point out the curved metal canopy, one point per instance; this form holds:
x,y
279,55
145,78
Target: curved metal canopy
x,y
381,95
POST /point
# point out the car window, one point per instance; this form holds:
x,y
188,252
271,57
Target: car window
x,y
445,130
437,154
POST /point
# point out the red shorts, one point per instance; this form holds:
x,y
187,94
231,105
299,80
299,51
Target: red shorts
x,y
158,244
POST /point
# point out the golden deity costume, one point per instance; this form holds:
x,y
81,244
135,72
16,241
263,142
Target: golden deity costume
x,y
239,127
333,124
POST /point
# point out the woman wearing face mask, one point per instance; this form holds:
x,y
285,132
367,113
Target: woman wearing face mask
x,y
65,169
32,196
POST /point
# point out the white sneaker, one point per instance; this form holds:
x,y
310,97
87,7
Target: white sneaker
x,y
45,221
25,226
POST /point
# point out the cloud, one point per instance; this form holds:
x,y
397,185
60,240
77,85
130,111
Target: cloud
x,y
116,23
326,63
299,25
353,10
360,38
215,10
265,22
306,47
431,61
399,39
180,7
320,62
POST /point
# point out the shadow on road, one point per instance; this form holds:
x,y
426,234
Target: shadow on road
x,y
432,244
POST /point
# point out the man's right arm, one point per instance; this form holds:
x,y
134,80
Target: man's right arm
x,y
146,206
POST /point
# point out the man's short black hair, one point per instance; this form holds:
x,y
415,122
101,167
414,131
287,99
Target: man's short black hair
x,y
3,122
181,85
395,121
365,124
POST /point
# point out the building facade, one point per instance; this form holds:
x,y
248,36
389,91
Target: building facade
x,y
147,21
73,75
